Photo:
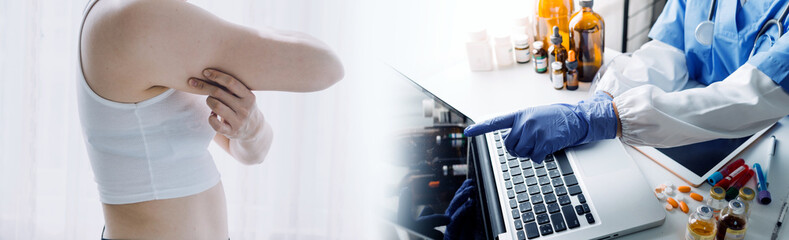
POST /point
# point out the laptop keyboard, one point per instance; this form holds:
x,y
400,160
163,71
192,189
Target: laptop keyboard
x,y
540,195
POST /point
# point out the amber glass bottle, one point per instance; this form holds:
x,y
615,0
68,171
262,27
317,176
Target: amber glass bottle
x,y
588,37
557,52
733,223
572,74
550,13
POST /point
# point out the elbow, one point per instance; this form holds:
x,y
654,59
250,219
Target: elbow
x,y
328,72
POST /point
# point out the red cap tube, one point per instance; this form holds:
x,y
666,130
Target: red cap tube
x,y
725,182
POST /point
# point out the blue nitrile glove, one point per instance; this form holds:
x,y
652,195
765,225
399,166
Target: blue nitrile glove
x,y
539,131
464,222
460,217
599,96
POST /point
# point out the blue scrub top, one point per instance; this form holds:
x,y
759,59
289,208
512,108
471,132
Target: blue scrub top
x,y
736,27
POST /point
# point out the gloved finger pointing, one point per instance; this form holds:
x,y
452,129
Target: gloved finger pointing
x,y
500,122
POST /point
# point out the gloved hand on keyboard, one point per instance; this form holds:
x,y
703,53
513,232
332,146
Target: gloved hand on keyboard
x,y
539,131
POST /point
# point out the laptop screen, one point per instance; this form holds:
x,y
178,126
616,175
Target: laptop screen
x,y
480,169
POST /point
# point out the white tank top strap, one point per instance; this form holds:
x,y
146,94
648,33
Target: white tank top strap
x,y
153,149
84,82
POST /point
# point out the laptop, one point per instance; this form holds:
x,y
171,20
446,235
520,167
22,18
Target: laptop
x,y
592,191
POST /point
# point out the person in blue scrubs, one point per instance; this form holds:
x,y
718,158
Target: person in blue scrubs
x,y
674,90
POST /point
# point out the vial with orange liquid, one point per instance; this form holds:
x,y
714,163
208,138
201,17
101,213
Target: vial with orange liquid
x,y
701,224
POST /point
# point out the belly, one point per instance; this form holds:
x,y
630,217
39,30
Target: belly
x,y
199,216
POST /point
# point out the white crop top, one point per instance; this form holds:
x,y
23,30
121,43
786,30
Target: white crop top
x,y
154,149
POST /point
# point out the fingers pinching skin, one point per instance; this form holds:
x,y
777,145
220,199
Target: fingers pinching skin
x,y
217,92
234,112
232,84
500,122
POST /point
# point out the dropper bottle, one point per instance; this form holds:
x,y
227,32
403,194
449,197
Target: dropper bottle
x,y
557,52
572,74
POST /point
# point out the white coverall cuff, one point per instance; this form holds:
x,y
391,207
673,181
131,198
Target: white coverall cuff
x,y
742,104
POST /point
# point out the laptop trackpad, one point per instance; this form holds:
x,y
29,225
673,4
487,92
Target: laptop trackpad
x,y
602,157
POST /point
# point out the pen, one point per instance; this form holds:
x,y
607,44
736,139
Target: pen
x,y
780,218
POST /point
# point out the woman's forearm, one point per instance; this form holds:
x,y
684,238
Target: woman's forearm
x,y
251,150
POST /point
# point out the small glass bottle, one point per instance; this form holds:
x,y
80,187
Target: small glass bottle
x,y
557,53
480,54
522,51
587,30
733,223
540,57
746,196
701,224
502,47
557,76
572,74
716,201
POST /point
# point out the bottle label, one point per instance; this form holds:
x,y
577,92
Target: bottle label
x,y
735,234
540,63
690,235
522,56
558,80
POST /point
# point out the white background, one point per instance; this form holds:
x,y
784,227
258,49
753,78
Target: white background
x,y
313,184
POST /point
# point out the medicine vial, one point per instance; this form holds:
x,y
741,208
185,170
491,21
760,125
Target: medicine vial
x,y
587,29
732,224
572,74
480,54
557,53
557,77
540,57
522,50
746,196
503,49
716,200
701,224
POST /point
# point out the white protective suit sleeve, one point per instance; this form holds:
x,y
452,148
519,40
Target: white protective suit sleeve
x,y
653,113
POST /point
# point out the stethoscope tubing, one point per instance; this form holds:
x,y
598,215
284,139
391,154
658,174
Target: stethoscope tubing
x,y
762,30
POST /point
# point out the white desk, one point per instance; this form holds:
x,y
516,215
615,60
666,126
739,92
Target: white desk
x,y
480,95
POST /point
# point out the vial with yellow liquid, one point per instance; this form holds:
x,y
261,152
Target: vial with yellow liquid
x,y
701,224
550,13
588,37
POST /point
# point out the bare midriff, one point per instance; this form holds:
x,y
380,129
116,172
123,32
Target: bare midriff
x,y
199,216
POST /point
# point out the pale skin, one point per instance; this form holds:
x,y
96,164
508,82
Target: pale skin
x,y
133,50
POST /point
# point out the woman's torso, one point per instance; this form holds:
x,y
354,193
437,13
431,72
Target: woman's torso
x,y
154,173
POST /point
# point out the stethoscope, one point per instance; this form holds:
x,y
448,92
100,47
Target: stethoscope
x,y
704,29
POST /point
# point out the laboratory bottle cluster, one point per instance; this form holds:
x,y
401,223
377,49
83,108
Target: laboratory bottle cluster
x,y
566,44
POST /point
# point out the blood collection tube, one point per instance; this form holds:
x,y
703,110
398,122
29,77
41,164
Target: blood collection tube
x,y
717,176
725,182
734,189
